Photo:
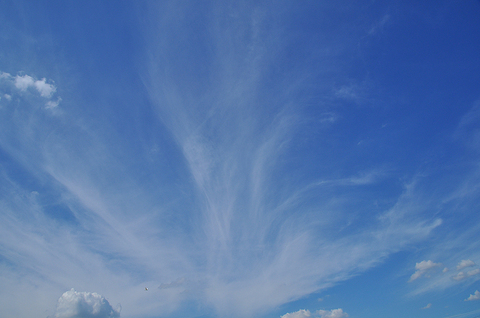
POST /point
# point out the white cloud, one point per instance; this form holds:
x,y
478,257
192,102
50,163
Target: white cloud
x,y
24,82
302,313
465,263
334,313
73,304
422,268
53,104
463,275
46,90
445,270
427,306
474,296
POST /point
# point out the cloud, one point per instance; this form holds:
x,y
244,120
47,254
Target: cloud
x,y
302,313
53,104
445,270
463,275
465,263
23,82
73,304
474,296
427,306
422,268
334,313
26,81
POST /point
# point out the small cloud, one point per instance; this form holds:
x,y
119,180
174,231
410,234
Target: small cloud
x,y
334,313
427,306
463,275
7,97
475,296
73,304
348,92
302,313
422,268
46,90
465,263
445,270
459,276
23,82
320,299
52,104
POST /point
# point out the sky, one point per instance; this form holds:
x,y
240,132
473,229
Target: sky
x,y
261,159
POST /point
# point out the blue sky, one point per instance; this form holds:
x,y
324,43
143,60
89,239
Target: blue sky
x,y
250,159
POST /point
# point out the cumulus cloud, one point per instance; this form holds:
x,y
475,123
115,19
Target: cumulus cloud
x,y
445,270
23,83
463,275
474,296
422,268
334,313
73,304
427,306
26,81
302,313
465,263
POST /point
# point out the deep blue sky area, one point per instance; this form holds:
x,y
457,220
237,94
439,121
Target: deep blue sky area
x,y
247,159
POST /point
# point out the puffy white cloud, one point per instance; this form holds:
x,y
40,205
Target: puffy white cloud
x,y
475,296
465,263
463,275
24,82
427,306
422,268
334,313
73,304
46,90
445,270
298,314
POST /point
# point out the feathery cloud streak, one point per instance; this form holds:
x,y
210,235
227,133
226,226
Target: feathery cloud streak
x,y
232,193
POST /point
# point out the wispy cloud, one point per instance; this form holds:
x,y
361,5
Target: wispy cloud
x,y
465,263
429,305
